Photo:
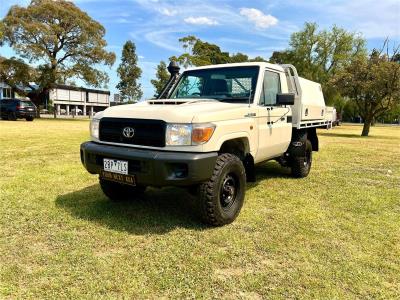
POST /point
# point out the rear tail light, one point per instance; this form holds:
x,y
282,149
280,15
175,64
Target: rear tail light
x,y
18,107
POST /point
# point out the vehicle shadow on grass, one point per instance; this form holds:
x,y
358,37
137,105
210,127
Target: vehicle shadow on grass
x,y
356,136
269,170
158,211
344,135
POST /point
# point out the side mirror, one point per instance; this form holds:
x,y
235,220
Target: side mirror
x,y
285,99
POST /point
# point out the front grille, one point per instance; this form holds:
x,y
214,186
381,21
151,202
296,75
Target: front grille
x,y
147,132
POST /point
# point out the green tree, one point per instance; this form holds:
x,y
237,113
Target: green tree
x,y
319,55
162,76
200,53
258,59
282,57
350,111
129,74
373,83
61,41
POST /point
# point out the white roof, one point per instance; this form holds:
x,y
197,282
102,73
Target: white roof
x,y
245,64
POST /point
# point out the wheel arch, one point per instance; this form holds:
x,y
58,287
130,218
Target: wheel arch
x,y
240,146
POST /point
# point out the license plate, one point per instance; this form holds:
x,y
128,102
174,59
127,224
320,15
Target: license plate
x,y
120,178
115,166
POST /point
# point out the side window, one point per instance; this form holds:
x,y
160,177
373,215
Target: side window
x,y
271,87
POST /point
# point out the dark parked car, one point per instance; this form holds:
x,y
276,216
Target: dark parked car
x,y
13,109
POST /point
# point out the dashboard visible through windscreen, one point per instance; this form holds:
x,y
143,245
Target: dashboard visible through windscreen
x,y
232,84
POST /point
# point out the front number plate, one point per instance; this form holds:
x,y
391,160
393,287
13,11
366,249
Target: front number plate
x,y
115,166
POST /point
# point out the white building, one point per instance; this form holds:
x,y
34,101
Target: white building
x,y
5,91
70,99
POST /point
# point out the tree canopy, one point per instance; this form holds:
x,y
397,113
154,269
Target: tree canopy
x,y
319,55
58,40
162,77
373,83
200,53
129,74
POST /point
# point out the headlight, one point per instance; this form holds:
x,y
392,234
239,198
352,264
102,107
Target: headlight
x,y
179,134
94,128
188,134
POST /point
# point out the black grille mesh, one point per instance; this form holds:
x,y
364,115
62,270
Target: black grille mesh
x,y
147,132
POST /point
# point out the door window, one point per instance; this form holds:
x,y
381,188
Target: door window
x,y
271,87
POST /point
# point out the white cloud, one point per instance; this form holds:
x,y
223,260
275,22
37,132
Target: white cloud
x,y
200,21
257,17
168,11
164,38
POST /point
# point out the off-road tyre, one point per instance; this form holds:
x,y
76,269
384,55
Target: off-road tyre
x,y
117,192
29,119
301,166
221,198
12,116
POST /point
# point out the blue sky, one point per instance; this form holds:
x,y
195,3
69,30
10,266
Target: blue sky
x,y
253,27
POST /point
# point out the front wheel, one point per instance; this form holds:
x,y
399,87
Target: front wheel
x,y
221,198
30,119
301,166
120,192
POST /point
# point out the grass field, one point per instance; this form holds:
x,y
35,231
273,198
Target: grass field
x,y
335,234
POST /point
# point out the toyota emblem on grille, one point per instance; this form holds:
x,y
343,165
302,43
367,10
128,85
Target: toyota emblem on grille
x,y
128,132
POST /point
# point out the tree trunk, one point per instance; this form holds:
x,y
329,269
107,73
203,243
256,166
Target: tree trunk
x,y
38,98
367,126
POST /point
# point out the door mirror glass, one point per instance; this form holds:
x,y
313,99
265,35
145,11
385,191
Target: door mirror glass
x,y
285,99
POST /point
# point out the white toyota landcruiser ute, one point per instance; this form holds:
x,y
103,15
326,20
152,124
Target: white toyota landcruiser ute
x,y
207,131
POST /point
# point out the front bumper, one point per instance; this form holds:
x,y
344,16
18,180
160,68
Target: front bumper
x,y
151,167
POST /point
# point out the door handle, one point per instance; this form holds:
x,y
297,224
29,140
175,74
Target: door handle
x,y
273,122
249,115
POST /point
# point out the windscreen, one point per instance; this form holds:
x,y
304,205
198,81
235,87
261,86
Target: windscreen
x,y
234,84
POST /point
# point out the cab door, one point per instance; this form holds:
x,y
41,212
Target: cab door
x,y
274,129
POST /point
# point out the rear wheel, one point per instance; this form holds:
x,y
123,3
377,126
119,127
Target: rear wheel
x,y
120,192
221,198
301,166
29,119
